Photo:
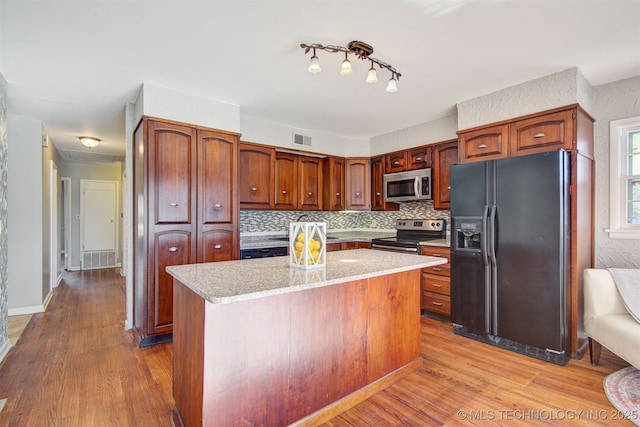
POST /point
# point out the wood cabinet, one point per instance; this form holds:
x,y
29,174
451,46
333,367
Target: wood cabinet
x,y
334,183
445,154
343,246
358,184
377,186
298,182
395,162
569,128
286,181
487,143
419,157
435,282
185,211
310,183
256,164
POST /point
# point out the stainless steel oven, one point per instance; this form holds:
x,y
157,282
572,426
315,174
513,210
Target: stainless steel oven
x,y
409,234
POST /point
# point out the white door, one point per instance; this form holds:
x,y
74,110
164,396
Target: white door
x,y
99,223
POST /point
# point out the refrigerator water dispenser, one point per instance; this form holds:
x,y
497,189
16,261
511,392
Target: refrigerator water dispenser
x,y
468,234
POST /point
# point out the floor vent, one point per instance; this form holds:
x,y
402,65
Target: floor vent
x,y
98,259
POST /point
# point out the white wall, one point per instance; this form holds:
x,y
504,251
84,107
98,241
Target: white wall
x,y
24,135
78,171
4,214
613,101
415,136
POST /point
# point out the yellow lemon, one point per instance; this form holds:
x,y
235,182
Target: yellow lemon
x,y
317,245
315,254
301,237
299,246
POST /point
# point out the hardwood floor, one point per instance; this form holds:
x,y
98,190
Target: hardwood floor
x,y
75,365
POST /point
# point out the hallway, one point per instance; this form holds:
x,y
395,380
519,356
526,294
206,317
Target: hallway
x,y
75,365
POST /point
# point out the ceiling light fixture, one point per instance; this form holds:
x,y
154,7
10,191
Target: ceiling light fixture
x,y
362,51
89,142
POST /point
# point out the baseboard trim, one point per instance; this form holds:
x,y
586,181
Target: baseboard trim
x,y
47,300
73,269
26,310
4,349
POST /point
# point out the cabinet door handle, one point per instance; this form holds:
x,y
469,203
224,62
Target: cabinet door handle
x,y
284,191
435,285
449,187
377,193
173,249
482,146
436,303
436,268
539,135
310,193
217,206
217,246
337,194
358,194
418,159
396,163
254,188
173,204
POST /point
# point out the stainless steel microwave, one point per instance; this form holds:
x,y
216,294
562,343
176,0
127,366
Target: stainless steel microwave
x,y
407,186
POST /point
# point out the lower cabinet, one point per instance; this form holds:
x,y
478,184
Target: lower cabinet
x,y
435,282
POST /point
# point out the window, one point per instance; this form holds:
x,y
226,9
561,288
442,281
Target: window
x,y
624,165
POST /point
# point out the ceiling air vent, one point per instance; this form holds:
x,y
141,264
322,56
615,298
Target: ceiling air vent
x,y
301,140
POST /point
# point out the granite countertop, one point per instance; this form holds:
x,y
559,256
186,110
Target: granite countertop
x,y
232,281
269,241
438,242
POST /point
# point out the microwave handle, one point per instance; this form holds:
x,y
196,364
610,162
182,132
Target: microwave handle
x,y
417,188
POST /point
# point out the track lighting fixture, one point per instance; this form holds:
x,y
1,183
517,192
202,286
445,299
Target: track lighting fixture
x,y
362,51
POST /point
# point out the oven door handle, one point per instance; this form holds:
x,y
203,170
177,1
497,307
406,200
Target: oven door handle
x,y
394,248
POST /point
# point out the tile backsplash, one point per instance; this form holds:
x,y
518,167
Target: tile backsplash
x,y
256,221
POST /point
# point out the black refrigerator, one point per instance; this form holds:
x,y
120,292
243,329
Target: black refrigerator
x,y
510,253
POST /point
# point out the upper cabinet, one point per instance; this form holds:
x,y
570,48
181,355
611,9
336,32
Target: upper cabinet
x,y
487,143
286,181
334,181
542,133
310,183
377,186
256,165
445,154
298,182
358,184
535,133
395,162
419,158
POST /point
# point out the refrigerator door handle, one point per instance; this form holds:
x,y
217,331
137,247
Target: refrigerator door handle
x,y
485,241
494,270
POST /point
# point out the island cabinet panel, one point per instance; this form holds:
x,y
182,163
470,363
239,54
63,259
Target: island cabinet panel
x,y
295,358
185,210
328,346
256,166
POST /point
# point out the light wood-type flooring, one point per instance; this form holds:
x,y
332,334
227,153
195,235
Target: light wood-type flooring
x,y
75,365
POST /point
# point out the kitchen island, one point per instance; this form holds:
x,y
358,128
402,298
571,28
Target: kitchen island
x,y
257,342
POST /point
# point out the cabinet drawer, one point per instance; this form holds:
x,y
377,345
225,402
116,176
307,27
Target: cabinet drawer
x,y
544,133
440,270
436,284
484,144
442,252
436,303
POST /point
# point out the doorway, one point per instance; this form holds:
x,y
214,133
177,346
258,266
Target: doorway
x,y
65,218
98,224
